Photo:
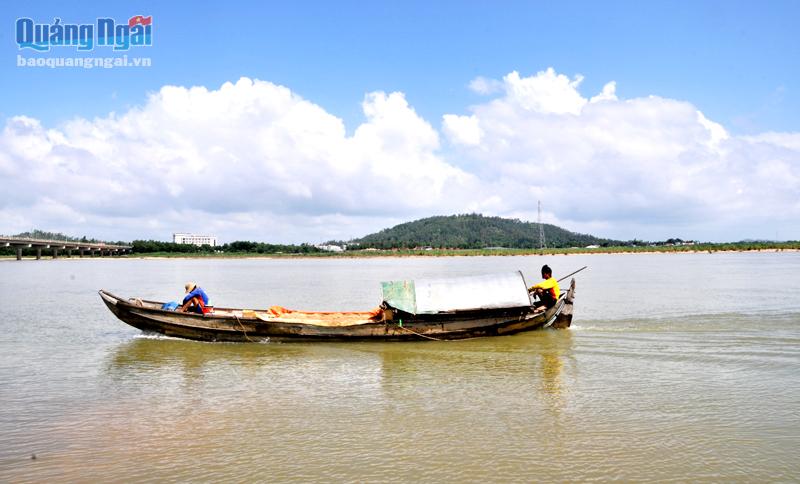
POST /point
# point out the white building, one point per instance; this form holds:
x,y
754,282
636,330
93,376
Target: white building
x,y
195,239
330,248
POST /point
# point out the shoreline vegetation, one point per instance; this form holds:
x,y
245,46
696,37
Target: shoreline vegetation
x,y
465,235
708,248
367,253
362,254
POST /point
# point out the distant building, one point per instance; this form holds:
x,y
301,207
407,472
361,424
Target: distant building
x,y
330,248
195,239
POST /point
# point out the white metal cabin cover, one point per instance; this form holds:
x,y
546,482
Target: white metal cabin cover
x,y
430,296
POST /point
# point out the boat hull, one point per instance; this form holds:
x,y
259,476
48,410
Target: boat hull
x,y
227,326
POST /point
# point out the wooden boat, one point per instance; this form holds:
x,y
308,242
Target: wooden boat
x,y
388,322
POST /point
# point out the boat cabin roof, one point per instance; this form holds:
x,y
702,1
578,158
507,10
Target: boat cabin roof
x,y
431,296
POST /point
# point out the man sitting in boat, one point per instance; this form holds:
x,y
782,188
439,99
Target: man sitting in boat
x,y
196,299
547,290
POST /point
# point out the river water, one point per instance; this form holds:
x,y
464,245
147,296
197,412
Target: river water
x,y
682,367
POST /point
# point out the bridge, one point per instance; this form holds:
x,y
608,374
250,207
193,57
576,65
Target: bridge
x,y
91,249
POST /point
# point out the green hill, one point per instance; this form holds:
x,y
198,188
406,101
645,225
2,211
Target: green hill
x,y
474,231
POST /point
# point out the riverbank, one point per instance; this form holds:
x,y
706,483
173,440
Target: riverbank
x,y
688,249
710,249
370,253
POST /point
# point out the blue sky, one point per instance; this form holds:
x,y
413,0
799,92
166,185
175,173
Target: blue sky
x,y
735,62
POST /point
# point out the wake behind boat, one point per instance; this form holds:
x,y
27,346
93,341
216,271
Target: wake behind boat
x,y
440,309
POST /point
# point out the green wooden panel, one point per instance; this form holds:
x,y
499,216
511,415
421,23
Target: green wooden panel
x,y
401,295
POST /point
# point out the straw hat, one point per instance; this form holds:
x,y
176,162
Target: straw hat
x,y
190,286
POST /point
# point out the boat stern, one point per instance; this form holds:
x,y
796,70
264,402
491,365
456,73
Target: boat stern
x,y
564,317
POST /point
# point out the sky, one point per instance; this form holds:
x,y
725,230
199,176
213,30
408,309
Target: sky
x,y
311,121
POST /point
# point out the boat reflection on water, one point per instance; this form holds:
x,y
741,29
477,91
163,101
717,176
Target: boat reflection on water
x,y
530,370
152,354
533,369
555,350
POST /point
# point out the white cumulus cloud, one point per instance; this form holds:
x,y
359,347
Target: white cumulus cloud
x,y
644,167
546,92
194,158
253,160
463,129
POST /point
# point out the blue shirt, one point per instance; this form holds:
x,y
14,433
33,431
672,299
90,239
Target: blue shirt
x,y
197,292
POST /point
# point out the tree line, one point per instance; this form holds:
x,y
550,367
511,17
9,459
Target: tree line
x,y
467,231
156,246
44,235
238,247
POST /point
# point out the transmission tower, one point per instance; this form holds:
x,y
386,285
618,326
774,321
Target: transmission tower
x,y
542,242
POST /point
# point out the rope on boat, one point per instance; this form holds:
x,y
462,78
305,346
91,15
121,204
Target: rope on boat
x,y
242,326
400,325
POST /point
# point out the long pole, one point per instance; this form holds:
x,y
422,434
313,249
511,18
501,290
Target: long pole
x,y
572,274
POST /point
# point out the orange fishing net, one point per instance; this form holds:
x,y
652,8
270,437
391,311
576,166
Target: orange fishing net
x,y
323,318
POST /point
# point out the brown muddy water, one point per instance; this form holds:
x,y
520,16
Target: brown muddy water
x,y
679,367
